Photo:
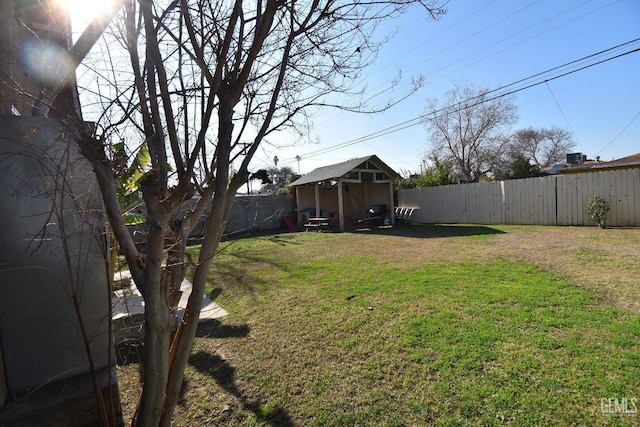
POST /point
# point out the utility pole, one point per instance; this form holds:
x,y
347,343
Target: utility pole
x,y
298,158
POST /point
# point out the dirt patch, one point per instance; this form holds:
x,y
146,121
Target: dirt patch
x,y
606,263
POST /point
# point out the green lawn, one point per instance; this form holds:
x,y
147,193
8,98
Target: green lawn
x,y
414,326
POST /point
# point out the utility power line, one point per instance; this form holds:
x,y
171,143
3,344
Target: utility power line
x,y
507,38
566,119
505,90
619,133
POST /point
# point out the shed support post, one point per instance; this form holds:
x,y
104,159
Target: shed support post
x,y
298,213
391,207
365,194
340,205
317,190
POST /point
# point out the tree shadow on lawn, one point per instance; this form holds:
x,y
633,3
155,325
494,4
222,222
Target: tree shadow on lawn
x,y
425,231
214,328
131,351
242,278
219,369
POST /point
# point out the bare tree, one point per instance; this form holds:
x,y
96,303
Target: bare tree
x,y
469,128
544,147
208,82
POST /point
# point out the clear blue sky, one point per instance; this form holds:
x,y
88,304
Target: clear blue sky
x,y
492,44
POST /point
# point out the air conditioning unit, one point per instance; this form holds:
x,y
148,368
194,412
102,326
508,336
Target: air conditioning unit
x,y
576,158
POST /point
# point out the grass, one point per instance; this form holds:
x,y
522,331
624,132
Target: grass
x,y
422,325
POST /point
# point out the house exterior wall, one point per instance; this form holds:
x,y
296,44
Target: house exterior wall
x,y
52,249
35,37
551,200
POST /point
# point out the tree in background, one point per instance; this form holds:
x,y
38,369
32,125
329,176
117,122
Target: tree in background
x,y
470,129
437,173
518,167
201,84
544,146
433,175
280,178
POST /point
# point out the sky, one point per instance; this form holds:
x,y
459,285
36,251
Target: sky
x,y
493,44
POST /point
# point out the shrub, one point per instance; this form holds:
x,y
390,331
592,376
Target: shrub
x,y
597,208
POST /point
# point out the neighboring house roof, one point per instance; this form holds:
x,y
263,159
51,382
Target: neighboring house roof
x,y
632,161
552,170
340,170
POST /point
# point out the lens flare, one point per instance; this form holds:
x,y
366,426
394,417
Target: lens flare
x,y
47,61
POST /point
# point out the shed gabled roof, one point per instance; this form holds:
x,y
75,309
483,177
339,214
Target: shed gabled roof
x,y
340,170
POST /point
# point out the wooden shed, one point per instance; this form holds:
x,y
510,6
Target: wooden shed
x,y
347,191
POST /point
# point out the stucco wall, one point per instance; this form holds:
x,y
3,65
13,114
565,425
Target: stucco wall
x,y
53,278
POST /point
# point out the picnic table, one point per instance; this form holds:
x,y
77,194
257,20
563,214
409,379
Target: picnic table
x,y
318,223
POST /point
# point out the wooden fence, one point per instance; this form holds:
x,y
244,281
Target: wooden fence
x,y
551,200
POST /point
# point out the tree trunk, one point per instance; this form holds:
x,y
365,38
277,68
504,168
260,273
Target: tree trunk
x,y
157,325
176,269
183,339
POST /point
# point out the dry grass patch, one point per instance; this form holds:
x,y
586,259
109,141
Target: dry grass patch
x,y
606,263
